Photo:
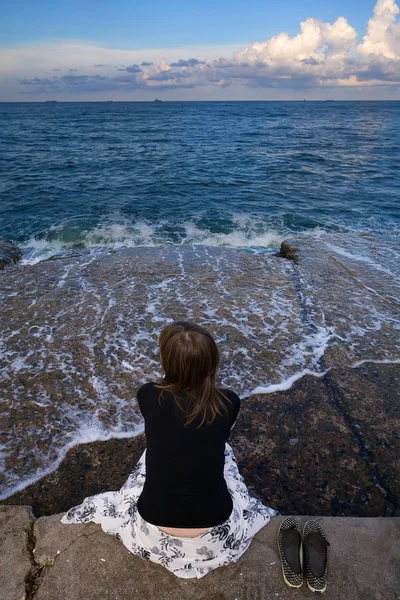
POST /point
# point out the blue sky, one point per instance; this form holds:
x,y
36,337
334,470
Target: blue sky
x,y
157,23
213,50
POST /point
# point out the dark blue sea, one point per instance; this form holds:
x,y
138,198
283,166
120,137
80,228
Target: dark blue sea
x,y
133,215
79,175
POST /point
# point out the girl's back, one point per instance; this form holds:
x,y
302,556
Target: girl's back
x,y
185,506
185,485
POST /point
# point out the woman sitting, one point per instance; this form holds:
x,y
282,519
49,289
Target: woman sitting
x,y
185,506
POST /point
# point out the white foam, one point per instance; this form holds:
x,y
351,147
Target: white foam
x,y
100,387
127,366
117,231
394,361
286,384
64,277
88,434
357,257
20,363
237,238
311,347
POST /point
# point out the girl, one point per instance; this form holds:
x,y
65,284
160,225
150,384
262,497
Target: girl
x,y
185,506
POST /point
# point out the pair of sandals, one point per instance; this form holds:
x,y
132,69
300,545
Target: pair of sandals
x,y
303,554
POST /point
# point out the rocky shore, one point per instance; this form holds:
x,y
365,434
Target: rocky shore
x,y
79,336
9,253
328,446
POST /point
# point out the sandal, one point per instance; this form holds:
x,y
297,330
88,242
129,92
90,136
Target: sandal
x,y
291,552
315,556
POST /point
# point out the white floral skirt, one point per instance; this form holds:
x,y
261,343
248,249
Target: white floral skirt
x,y
221,545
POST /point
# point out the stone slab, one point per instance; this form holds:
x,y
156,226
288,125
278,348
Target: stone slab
x,y
87,469
328,446
369,399
15,561
84,562
297,452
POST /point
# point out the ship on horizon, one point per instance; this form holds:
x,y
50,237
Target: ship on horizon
x,y
157,100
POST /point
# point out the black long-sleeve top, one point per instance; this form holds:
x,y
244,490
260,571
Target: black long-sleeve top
x,y
185,485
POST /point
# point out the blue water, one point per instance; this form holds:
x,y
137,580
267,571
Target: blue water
x,y
77,335
78,175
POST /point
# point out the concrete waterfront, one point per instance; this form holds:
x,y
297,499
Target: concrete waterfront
x,y
45,560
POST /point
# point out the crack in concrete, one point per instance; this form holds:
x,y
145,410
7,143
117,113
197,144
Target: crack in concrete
x,y
35,575
34,578
60,552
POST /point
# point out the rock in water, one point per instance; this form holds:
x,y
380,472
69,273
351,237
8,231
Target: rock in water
x,y
9,253
288,252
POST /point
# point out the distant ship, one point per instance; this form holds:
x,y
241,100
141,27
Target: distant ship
x,y
157,100
51,101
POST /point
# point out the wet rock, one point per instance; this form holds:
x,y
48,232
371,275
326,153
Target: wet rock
x,y
63,360
107,336
288,252
368,397
87,469
328,471
9,253
325,473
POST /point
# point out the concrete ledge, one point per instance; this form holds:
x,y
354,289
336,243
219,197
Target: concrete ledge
x,y
79,562
15,561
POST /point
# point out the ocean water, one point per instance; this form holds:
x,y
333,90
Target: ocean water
x,y
78,175
132,215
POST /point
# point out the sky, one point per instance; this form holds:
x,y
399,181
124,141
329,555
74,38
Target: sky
x,y
183,50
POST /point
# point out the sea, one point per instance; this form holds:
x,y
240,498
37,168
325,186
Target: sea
x,y
131,215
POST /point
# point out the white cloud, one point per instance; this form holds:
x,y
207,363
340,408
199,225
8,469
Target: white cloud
x,y
322,55
317,53
383,33
316,40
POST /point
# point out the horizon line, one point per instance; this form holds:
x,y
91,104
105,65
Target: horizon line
x,y
181,101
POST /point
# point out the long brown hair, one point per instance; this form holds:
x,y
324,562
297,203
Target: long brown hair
x,y
190,359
